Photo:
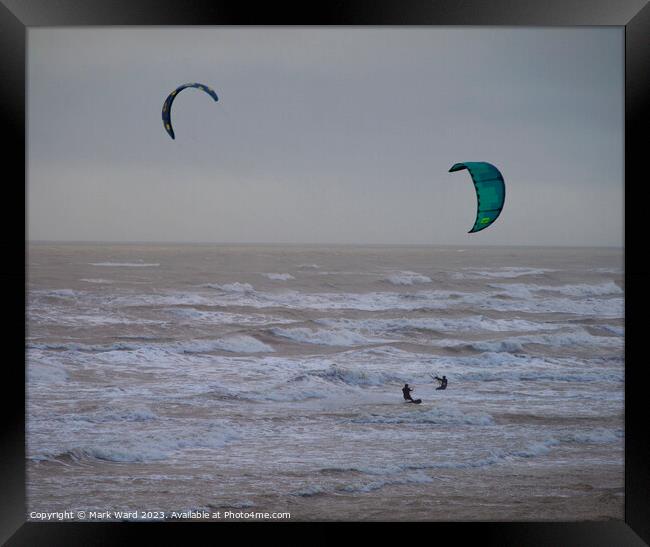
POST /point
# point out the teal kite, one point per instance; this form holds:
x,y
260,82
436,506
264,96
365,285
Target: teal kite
x,y
490,191
167,105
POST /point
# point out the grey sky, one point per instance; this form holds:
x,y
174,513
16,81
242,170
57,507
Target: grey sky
x,y
324,134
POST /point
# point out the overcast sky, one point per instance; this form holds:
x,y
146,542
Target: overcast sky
x,y
325,134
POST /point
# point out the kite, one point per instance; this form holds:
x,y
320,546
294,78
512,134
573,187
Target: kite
x,y
167,105
490,191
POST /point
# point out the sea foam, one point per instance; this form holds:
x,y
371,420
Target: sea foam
x,y
407,278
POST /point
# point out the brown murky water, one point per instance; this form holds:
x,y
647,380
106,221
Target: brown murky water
x,y
254,379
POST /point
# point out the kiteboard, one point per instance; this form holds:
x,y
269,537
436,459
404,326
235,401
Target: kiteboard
x,y
415,401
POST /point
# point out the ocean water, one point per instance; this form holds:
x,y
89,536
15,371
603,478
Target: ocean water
x,y
268,378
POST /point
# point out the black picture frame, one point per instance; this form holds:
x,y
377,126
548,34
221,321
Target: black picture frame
x,y
17,15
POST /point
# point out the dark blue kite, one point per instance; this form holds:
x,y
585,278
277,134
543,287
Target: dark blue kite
x,y
167,105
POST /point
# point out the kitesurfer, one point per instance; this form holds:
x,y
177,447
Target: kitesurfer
x,y
443,382
406,390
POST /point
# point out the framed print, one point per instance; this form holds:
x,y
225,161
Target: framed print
x,y
357,264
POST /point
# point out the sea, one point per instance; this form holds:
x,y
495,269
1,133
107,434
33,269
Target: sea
x,y
263,382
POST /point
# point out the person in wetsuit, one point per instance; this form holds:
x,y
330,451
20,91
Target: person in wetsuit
x,y
443,382
406,390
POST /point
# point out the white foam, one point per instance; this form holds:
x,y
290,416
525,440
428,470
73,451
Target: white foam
x,y
504,272
330,301
288,397
499,346
242,344
278,276
577,338
496,456
127,445
609,270
126,264
149,454
525,301
172,298
407,278
596,436
309,491
510,299
76,346
411,478
97,280
89,320
523,290
45,372
61,293
614,329
517,368
472,323
235,287
236,343
356,377
416,415
224,318
325,337
118,415
537,448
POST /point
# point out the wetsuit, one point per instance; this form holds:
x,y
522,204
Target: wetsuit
x,y
443,383
407,393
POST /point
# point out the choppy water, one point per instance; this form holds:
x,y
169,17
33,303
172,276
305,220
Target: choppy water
x,y
190,377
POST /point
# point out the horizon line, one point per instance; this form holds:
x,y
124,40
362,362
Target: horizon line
x,y
296,244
